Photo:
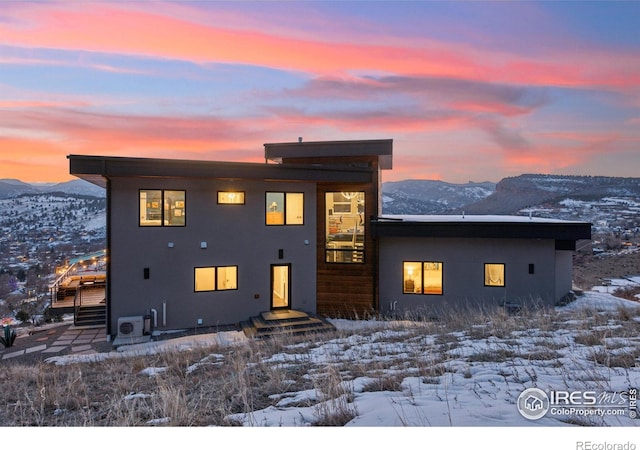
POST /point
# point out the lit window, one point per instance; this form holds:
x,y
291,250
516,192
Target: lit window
x,y
494,274
345,227
412,278
432,278
227,278
162,208
422,278
285,208
174,208
223,278
230,198
150,208
205,279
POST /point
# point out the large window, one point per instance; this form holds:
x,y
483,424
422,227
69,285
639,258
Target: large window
x,y
494,274
422,277
162,208
285,208
345,225
222,278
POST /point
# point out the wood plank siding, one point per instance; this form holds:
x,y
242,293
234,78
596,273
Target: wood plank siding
x,y
347,290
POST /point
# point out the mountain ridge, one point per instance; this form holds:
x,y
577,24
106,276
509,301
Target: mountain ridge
x,y
509,196
11,187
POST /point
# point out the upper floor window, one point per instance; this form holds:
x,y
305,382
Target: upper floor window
x,y
494,274
230,198
159,207
345,227
285,208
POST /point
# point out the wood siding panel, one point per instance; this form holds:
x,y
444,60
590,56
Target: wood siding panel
x,y
347,290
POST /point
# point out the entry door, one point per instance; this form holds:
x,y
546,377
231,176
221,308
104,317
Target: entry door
x,y
280,286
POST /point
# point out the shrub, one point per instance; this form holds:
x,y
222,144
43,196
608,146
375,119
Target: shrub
x,y
23,316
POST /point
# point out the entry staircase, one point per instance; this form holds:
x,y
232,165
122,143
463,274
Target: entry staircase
x,y
282,323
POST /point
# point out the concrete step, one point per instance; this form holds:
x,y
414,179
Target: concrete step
x,y
275,323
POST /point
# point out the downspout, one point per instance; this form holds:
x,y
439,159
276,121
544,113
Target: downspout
x,y
377,182
376,267
108,255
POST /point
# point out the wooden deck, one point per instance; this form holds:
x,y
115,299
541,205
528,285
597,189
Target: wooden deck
x,y
87,297
86,289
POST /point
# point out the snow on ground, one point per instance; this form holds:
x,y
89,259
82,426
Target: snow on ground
x,y
479,386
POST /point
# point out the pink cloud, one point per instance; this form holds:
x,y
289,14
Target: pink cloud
x,y
112,29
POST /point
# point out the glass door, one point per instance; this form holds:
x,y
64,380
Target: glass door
x,y
280,286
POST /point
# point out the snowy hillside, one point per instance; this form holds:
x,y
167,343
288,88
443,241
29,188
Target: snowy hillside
x,y
464,371
430,196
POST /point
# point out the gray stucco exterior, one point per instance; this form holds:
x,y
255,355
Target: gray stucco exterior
x,y
151,266
235,235
463,262
534,255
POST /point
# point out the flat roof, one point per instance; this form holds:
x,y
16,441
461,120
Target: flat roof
x,y
484,226
97,169
381,148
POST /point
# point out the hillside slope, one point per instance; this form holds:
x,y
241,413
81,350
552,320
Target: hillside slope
x,y
516,193
431,196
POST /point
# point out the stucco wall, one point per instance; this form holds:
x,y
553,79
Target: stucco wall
x,y
463,275
235,235
564,272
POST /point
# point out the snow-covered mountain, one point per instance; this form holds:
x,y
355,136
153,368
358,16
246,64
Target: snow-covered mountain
x,y
11,188
431,196
513,195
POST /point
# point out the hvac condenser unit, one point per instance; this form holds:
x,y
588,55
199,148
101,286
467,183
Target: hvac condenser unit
x,y
132,326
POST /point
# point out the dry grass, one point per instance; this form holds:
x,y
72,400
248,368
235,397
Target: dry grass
x,y
205,386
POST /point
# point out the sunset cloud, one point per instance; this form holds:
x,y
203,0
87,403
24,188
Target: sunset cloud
x,y
465,92
102,27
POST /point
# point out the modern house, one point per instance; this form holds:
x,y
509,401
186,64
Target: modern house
x,y
214,243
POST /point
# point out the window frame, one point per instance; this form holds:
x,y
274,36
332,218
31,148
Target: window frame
x,y
216,278
218,288
358,253
285,216
487,277
162,208
219,202
422,290
195,278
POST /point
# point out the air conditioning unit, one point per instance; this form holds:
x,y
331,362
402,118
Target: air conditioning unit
x,y
132,326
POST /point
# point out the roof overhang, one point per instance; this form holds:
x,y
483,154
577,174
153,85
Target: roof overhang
x,y
515,227
380,148
98,169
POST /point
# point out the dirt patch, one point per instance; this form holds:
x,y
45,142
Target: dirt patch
x,y
589,270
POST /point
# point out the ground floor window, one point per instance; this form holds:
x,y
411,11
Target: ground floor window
x,y
215,278
422,277
494,274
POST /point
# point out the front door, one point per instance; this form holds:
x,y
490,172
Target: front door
x,y
280,286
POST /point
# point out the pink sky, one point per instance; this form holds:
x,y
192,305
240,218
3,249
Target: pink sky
x,y
467,91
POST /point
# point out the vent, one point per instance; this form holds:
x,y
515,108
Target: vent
x,y
132,326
